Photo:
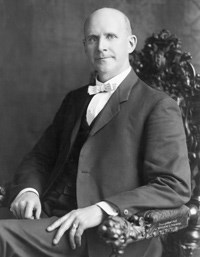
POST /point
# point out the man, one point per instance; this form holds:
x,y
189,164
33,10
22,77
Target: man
x,y
115,152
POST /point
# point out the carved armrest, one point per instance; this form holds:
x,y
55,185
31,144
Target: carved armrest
x,y
119,232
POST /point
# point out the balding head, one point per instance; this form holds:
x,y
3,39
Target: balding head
x,y
110,12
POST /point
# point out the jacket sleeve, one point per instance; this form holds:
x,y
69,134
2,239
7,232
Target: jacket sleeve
x,y
165,170
36,167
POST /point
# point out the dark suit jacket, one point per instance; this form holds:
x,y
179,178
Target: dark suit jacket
x,y
135,156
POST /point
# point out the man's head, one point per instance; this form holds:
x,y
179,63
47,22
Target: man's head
x,y
108,42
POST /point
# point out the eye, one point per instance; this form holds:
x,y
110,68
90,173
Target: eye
x,y
111,36
91,39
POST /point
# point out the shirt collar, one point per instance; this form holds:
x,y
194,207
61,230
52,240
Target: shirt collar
x,y
117,79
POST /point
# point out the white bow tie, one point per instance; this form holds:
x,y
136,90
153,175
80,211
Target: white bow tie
x,y
100,87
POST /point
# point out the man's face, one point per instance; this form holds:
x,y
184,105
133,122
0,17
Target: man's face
x,y
108,44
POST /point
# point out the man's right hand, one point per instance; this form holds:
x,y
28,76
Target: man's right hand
x,y
26,206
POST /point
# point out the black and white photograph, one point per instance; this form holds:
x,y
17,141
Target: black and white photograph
x,y
99,128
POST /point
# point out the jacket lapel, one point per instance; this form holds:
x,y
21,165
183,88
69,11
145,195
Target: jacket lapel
x,y
82,103
113,105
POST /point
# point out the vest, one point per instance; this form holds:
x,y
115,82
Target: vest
x,y
62,195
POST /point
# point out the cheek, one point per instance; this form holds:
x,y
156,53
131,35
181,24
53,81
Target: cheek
x,y
119,49
90,52
90,55
122,51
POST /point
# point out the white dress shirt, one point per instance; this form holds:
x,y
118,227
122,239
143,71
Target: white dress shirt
x,y
95,106
99,100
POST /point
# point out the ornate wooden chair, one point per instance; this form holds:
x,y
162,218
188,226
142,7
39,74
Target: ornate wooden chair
x,y
163,65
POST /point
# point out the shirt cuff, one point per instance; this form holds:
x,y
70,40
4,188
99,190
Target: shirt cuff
x,y
28,189
110,210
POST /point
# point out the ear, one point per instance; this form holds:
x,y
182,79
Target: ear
x,y
132,43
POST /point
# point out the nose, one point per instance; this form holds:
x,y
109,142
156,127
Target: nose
x,y
102,44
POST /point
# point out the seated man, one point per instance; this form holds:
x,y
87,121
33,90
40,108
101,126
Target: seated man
x,y
114,148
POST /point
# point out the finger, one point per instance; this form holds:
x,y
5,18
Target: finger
x,y
22,207
78,235
14,208
64,227
72,234
28,213
14,212
38,211
57,223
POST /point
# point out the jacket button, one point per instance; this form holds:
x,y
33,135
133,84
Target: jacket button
x,y
126,212
85,171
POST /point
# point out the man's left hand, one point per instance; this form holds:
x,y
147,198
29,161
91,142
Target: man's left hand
x,y
77,221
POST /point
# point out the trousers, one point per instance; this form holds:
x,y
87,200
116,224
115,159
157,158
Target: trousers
x,y
29,238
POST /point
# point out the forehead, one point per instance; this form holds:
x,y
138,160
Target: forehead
x,y
105,23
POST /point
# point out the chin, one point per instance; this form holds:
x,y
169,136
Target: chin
x,y
104,69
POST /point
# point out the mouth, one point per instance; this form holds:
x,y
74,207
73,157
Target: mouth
x,y
102,58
